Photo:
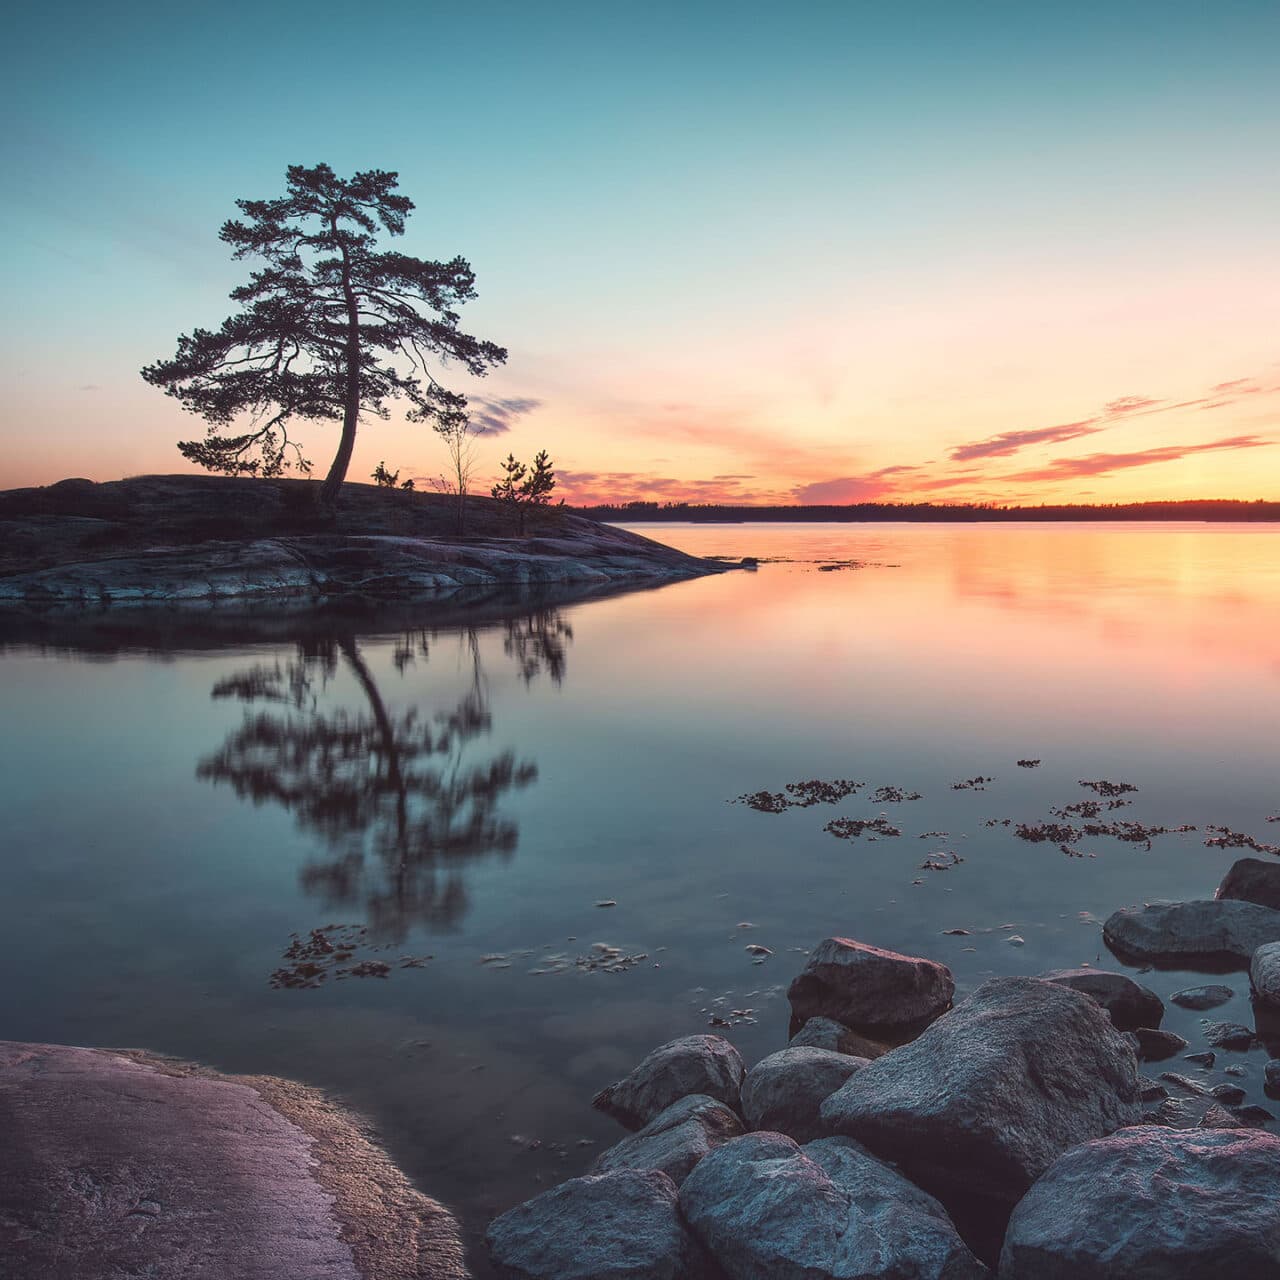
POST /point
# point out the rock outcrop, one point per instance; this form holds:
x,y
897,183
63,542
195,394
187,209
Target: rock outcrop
x,y
870,989
989,1096
785,1091
1148,1202
707,1065
675,1139
1214,932
764,1206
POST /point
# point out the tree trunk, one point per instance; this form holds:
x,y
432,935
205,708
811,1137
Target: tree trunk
x,y
351,407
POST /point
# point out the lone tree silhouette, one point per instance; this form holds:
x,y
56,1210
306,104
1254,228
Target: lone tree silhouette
x,y
332,327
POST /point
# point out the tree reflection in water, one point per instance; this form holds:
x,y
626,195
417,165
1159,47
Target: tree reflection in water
x,y
402,801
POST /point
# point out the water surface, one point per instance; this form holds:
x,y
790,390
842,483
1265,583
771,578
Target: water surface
x,y
182,799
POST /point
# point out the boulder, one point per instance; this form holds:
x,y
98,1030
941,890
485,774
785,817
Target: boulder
x,y
1271,1077
989,1096
708,1065
1264,973
1201,998
623,1225
1129,1004
866,988
1252,880
1228,1035
1155,1046
785,1091
675,1139
1150,1202
826,1033
763,1206
1215,931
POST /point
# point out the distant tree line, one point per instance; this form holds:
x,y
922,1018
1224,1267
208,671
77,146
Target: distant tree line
x,y
708,513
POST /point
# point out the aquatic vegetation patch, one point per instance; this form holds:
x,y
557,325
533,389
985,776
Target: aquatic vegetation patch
x,y
331,951
802,795
972,784
1108,790
1028,764
852,828
1228,839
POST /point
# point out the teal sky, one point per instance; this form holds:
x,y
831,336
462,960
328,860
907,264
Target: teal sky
x,y
872,233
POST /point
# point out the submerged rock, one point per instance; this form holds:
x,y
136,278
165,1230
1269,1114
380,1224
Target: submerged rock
x,y
1150,1202
866,987
1183,933
785,1091
1252,880
1155,1046
763,1206
989,1096
1264,973
693,1064
675,1139
826,1033
1228,1035
1202,997
1129,1004
611,1226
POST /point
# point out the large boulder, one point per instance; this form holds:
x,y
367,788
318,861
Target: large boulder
x,y
1215,931
988,1097
785,1091
693,1064
1150,1202
1264,973
675,1139
763,1206
1252,880
623,1225
867,988
1130,1005
827,1033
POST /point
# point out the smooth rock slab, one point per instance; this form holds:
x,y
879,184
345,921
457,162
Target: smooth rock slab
x,y
765,1207
611,1226
865,987
675,1139
1202,998
988,1097
1149,1203
1264,973
708,1065
1182,933
116,1164
826,1033
785,1091
1252,880
1228,1035
1129,1004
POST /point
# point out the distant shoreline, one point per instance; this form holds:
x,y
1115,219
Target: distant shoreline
x,y
1209,511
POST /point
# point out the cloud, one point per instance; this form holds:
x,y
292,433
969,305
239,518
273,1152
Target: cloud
x,y
1128,404
1095,464
497,417
1008,442
874,486
592,488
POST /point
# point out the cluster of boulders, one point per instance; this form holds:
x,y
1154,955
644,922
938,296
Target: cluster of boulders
x,y
902,1136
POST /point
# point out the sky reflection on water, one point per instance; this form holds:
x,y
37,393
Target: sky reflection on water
x,y
160,850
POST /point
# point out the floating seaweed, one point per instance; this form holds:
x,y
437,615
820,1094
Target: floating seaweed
x,y
1108,790
1228,839
852,828
893,795
972,784
1028,764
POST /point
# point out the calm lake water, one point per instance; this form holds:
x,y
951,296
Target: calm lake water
x,y
181,799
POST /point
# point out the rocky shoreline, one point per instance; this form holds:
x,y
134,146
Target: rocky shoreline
x,y
1010,1134
204,541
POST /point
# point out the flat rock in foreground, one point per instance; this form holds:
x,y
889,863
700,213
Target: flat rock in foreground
x,y
989,1096
119,1164
763,1206
869,988
1211,932
1150,1202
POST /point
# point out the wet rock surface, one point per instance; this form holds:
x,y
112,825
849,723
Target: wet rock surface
x,y
1208,997
785,1091
826,1033
1264,973
1252,880
1150,1202
1129,1004
674,1140
764,1206
622,1225
1224,931
1156,1046
865,987
126,1164
707,1065
989,1096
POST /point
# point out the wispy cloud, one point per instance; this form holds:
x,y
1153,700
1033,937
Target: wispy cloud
x,y
1008,442
497,417
1095,464
1128,404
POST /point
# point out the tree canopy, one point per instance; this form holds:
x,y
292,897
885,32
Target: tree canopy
x,y
331,328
